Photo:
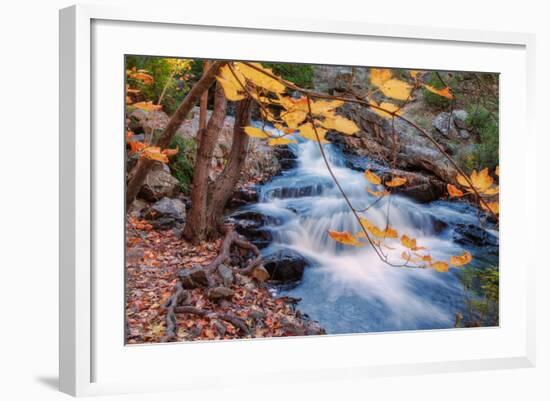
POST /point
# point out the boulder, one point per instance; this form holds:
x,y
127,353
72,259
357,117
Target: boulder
x,y
137,207
220,292
459,118
167,207
226,274
193,278
159,184
472,234
443,123
285,265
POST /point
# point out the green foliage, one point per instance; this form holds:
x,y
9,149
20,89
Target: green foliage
x,y
299,74
183,163
481,288
483,123
166,71
432,99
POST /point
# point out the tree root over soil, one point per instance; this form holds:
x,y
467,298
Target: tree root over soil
x,y
236,297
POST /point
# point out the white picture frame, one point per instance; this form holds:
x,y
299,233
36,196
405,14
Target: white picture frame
x,y
92,353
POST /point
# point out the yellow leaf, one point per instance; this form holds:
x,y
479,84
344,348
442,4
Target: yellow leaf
x,y
387,109
324,106
280,141
491,191
378,76
396,182
154,153
293,104
410,243
497,171
481,181
387,233
378,193
396,89
344,237
340,124
147,106
454,192
491,206
231,91
441,267
255,132
306,131
259,78
445,92
294,118
461,260
414,74
424,258
372,178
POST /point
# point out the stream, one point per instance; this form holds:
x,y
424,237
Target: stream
x,y
349,289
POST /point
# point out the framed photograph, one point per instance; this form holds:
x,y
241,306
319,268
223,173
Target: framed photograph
x,y
343,200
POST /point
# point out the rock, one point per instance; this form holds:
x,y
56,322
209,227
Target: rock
x,y
226,275
292,326
287,159
166,207
285,265
260,274
471,234
313,328
242,197
443,123
459,118
159,184
136,208
463,134
331,79
220,292
193,278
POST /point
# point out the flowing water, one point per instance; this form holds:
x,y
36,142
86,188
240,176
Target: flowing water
x,y
349,289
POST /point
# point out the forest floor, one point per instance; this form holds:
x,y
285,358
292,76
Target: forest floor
x,y
153,262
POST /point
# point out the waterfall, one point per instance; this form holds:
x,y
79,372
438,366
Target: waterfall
x,y
349,289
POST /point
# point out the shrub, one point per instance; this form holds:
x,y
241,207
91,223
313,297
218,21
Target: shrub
x,y
483,123
300,74
182,164
481,288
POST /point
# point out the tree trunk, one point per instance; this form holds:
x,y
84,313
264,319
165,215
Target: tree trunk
x,y
222,189
195,226
144,165
203,111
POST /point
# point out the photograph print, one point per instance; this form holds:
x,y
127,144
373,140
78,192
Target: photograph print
x,y
268,199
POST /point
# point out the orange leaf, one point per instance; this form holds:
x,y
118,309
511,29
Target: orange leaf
x,y
154,153
372,178
491,206
344,237
461,260
147,106
396,182
454,191
445,92
170,152
441,267
378,193
136,146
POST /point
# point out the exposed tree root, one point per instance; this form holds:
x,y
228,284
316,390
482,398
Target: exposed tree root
x,y
180,296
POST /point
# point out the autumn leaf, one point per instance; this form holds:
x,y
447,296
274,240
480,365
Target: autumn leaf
x,y
378,193
491,206
410,243
386,233
256,132
340,124
378,76
136,146
454,192
497,171
439,266
344,237
414,74
294,118
396,182
280,141
259,76
461,260
396,89
372,178
170,152
142,75
306,131
481,181
324,106
445,92
230,91
386,109
154,153
147,106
